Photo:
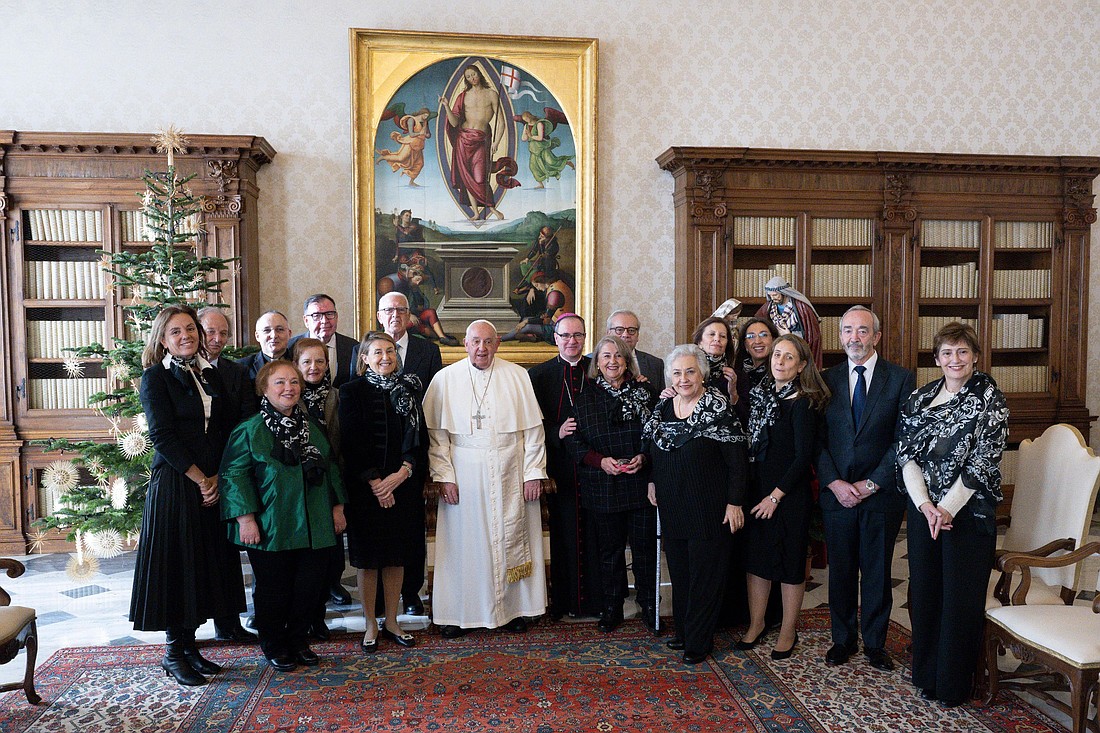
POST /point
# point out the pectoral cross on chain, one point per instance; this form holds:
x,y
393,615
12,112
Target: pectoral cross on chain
x,y
479,417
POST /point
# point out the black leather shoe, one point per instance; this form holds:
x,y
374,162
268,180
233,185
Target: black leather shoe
x,y
184,673
229,633
952,703
369,646
649,619
453,632
675,644
786,653
879,659
609,620
693,658
745,645
839,654
402,639
283,663
518,625
320,632
307,656
198,663
339,596
927,693
415,607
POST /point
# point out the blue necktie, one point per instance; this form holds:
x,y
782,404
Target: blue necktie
x,y
859,396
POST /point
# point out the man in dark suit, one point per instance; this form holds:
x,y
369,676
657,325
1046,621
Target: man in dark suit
x,y
422,358
625,325
242,403
321,319
574,561
215,326
862,509
272,333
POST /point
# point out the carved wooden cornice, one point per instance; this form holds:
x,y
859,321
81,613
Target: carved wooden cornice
x,y
677,158
250,147
221,206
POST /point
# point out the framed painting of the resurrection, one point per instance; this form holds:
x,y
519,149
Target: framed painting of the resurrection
x,y
475,182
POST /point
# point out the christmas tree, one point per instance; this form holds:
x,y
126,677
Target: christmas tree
x,y
103,514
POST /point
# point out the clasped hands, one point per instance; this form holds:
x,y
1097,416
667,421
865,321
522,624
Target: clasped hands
x,y
614,466
850,494
208,487
532,490
383,488
939,519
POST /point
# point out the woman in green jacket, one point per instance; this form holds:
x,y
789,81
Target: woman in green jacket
x,y
282,486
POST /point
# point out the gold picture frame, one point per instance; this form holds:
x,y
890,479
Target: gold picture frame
x,y
466,204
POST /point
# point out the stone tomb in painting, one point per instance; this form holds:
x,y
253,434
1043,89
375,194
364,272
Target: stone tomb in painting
x,y
476,284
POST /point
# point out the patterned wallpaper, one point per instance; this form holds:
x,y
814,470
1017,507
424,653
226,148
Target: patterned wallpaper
x,y
1016,77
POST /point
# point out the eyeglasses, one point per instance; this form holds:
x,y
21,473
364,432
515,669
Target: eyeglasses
x,y
751,336
322,315
390,311
573,336
620,330
274,329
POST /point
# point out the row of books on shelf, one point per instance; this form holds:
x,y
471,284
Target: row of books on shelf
x,y
65,225
750,283
63,394
842,232
929,326
49,339
1024,235
1009,378
61,280
764,231
135,226
1021,283
840,281
952,281
952,234
1017,331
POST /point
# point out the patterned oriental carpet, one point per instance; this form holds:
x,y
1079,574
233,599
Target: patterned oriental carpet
x,y
556,678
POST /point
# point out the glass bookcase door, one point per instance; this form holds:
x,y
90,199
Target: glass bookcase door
x,y
1021,301
64,305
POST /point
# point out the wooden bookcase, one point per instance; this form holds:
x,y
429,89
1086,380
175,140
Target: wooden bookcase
x,y
922,239
64,198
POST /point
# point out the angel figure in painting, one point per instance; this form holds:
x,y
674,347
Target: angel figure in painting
x,y
475,126
537,131
408,159
792,312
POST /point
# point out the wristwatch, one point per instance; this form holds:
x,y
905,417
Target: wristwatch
x,y
872,486
774,500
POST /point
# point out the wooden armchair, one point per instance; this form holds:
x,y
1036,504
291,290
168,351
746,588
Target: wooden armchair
x,y
1053,642
1052,503
17,630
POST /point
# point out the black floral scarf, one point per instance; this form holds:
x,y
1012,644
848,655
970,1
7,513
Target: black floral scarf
x,y
964,436
402,391
632,396
180,368
292,443
314,397
763,413
711,418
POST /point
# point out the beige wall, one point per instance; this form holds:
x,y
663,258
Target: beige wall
x,y
949,76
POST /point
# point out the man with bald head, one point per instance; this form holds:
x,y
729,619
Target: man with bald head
x,y
487,451
273,335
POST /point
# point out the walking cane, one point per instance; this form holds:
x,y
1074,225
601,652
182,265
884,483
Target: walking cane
x,y
657,593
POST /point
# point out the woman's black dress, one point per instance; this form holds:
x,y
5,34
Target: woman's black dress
x,y
372,433
181,578
777,547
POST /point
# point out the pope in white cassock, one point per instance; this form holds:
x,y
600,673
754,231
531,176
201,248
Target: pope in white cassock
x,y
487,449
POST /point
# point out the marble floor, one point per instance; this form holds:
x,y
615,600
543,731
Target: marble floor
x,y
93,611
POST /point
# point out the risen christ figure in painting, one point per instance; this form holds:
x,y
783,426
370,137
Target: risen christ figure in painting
x,y
474,126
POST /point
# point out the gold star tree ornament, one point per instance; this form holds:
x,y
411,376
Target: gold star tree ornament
x,y
171,141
